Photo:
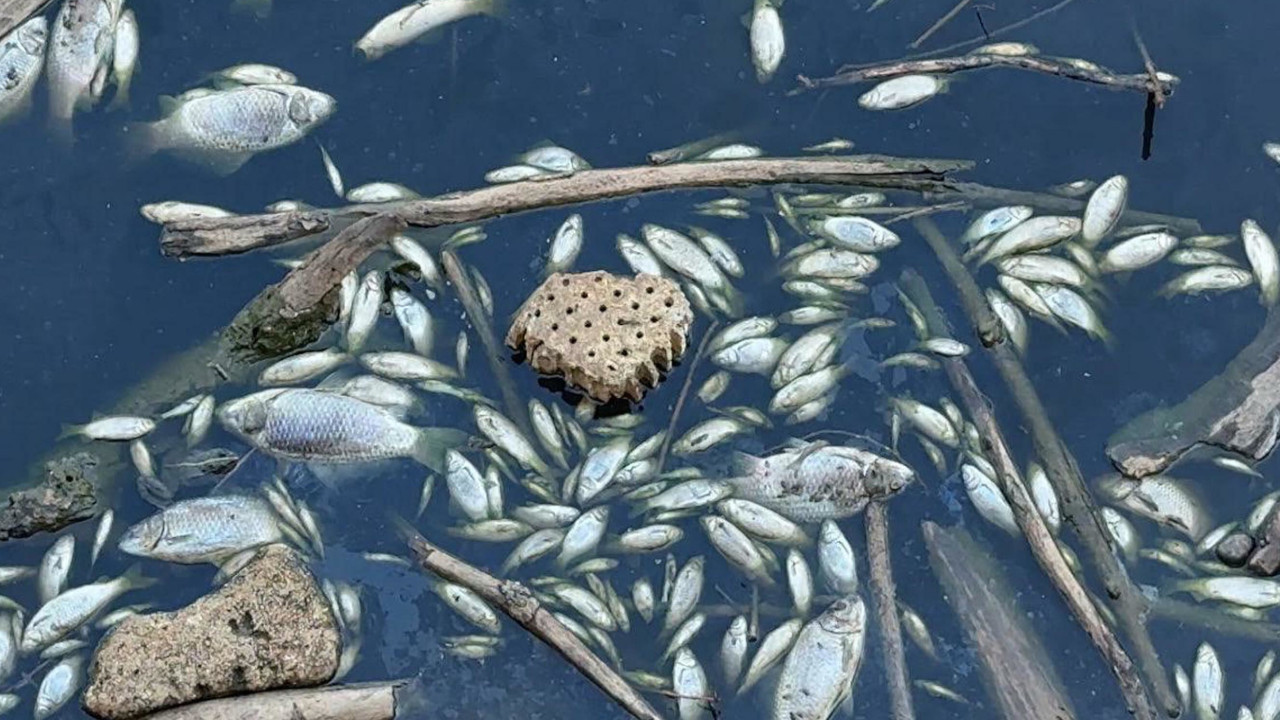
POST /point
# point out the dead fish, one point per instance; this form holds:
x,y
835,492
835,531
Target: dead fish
x,y
902,92
768,42
415,20
823,664
817,483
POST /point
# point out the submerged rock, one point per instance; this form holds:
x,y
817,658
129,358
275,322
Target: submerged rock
x,y
1235,549
66,495
269,627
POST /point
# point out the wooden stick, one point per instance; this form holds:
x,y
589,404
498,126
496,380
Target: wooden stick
x,y
365,701
516,410
1079,509
1017,672
1139,82
224,236
684,394
886,603
1043,545
518,603
954,11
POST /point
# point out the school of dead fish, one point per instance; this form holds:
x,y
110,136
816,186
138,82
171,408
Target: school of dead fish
x,y
579,493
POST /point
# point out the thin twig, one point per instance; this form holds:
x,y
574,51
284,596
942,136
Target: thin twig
x,y
516,410
962,63
957,206
954,11
684,394
886,602
1079,509
1156,88
518,603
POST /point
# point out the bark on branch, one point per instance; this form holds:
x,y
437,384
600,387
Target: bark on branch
x,y
1238,411
1140,82
365,701
225,236
885,594
518,603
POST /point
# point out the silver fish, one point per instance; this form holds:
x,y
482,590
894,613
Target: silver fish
x,y
1207,683
1261,251
380,192
554,158
733,650
227,128
8,649
799,582
565,245
1214,278
639,257
324,427
822,666
1138,252
416,19
689,682
302,367
415,321
80,50
762,523
117,428
73,608
902,92
756,355
56,567
469,605
995,222
772,648
856,233
686,590
768,42
584,535
836,564
738,549
21,60
200,530
331,171
1167,500
1103,211
720,251
814,484
59,685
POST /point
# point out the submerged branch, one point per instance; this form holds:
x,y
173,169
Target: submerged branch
x,y
886,602
1139,82
684,395
225,236
365,701
1043,545
1079,509
515,600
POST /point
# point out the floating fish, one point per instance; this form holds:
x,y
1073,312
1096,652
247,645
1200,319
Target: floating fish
x,y
768,43
818,483
22,54
415,20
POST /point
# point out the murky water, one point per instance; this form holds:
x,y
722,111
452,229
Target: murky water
x,y
91,306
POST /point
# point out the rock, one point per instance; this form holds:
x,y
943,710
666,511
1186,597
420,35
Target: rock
x,y
268,628
66,495
1234,549
611,336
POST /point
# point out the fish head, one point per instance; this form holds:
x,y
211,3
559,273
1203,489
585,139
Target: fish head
x,y
888,478
844,616
245,416
1116,487
308,108
33,35
142,539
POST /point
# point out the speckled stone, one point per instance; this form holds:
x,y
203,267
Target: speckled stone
x,y
269,627
1234,549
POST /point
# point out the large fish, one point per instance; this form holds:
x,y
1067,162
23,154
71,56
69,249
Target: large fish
x,y
207,529
224,129
817,483
80,51
21,60
323,427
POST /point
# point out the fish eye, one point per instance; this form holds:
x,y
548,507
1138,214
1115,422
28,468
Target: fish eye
x,y
253,417
300,110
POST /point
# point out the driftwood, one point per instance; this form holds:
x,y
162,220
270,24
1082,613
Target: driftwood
x,y
365,701
886,604
1044,546
518,603
225,236
1078,508
1238,411
516,410
1017,671
1140,82
15,12
294,312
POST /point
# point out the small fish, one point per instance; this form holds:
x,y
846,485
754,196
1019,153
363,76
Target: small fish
x,y
415,20
469,605
223,130
409,249
736,548
79,53
1014,322
254,74
116,428
902,92
1044,497
762,523
415,321
1073,189
513,173
324,427
380,192
822,666
686,590
995,222
1251,592
1208,241
59,686
1194,256
302,367
988,499
1167,500
56,567
1071,307
683,635
1261,251
554,158
768,43
365,309
600,467
830,146
806,389
733,650
686,257
719,250
756,355
799,582
805,354
200,530
406,366
916,629
689,683
505,434
466,486
1103,211
22,54
642,598
8,649
856,233
773,647
941,691
836,564
73,608
565,246
1138,252
141,457
708,434
732,151
639,257
832,263
1207,683
1033,234
1007,49
331,171
945,347
817,483
1214,278
100,536
714,386
584,535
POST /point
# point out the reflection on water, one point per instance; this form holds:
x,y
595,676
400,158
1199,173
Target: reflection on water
x,y
92,308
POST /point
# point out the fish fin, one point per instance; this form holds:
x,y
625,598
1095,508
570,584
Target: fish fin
x,y
745,463
135,580
168,105
221,163
432,444
142,140
68,430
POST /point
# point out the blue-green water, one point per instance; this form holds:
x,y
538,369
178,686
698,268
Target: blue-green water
x,y
91,306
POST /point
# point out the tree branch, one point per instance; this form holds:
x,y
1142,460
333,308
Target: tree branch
x,y
885,594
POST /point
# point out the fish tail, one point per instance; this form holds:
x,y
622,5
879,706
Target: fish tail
x,y
432,443
69,430
121,98
142,140
133,579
